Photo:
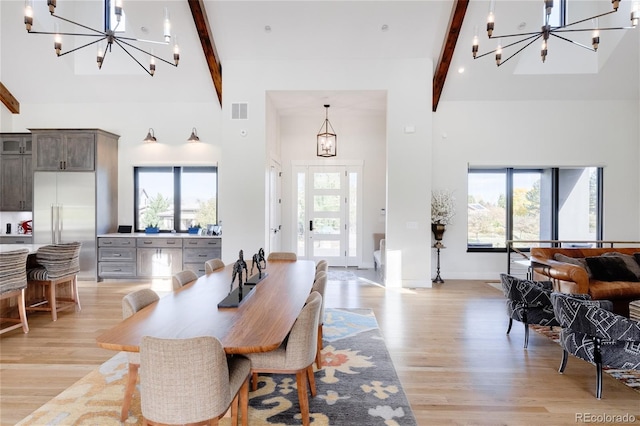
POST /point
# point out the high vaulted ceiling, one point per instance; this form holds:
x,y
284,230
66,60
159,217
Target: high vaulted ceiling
x,y
328,29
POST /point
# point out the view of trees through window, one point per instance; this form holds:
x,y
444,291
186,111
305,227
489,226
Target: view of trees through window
x,y
516,204
175,198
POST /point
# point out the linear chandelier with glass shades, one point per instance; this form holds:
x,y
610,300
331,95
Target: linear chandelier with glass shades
x,y
548,30
105,39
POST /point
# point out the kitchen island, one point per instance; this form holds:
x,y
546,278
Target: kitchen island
x,y
141,255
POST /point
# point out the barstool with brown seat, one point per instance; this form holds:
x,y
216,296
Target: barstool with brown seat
x,y
56,264
13,282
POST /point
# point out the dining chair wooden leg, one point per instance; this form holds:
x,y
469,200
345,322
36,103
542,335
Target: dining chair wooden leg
x,y
254,381
311,378
128,393
244,402
319,350
234,411
303,397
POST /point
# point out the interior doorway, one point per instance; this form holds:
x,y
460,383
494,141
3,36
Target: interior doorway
x,y
275,207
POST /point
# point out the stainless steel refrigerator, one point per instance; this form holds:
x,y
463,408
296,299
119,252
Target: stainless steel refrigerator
x,y
64,210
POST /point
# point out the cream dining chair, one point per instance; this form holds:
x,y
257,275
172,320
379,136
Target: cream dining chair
x,y
192,380
319,285
281,255
295,356
132,303
183,278
213,265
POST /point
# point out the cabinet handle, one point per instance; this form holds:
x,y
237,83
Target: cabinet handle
x,y
202,255
170,242
117,270
106,243
146,242
117,255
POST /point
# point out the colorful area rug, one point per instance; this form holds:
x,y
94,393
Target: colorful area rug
x,y
630,378
357,385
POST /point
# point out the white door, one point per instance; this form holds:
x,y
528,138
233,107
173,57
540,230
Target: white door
x,y
275,208
328,213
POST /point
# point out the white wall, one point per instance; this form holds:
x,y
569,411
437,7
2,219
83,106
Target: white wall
x,y
408,84
550,133
360,138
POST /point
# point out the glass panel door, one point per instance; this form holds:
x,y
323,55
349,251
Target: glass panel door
x,y
327,216
327,213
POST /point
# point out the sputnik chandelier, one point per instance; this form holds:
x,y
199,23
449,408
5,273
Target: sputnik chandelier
x,y
547,30
107,38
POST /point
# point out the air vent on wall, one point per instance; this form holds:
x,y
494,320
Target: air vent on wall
x,y
239,111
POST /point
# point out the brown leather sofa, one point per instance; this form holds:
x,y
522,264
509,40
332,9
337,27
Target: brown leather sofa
x,y
573,279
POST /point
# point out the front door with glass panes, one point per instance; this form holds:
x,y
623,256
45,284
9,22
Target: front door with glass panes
x,y
327,213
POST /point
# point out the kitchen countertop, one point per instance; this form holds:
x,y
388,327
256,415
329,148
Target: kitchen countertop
x,y
159,235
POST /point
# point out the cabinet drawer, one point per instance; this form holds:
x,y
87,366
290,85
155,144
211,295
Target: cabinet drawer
x,y
160,242
198,268
194,255
117,254
116,242
116,269
201,242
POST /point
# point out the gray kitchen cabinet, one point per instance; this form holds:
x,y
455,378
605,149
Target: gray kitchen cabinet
x,y
15,143
196,251
64,150
16,181
142,256
16,239
159,257
116,257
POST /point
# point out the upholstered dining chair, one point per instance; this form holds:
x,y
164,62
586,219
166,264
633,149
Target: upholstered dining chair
x,y
295,356
528,302
213,265
322,265
13,282
281,255
132,303
187,381
55,265
183,278
320,285
590,331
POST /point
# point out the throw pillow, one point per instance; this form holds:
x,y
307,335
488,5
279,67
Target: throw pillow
x,y
629,261
610,268
578,261
637,257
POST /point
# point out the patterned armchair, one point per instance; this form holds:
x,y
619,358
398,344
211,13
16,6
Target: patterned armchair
x,y
528,302
592,332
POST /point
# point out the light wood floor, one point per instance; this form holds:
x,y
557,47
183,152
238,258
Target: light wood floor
x,y
448,345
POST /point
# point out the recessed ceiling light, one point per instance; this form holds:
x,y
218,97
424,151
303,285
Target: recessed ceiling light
x,y
460,70
267,28
385,27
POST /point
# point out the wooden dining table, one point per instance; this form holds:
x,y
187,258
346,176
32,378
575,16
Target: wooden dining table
x,y
259,324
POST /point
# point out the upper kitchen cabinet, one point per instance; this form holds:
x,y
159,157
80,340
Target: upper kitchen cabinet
x,y
66,150
15,143
16,173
